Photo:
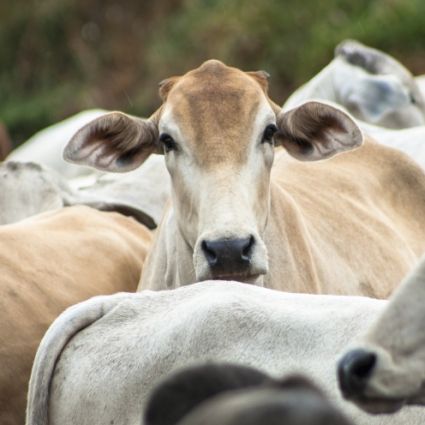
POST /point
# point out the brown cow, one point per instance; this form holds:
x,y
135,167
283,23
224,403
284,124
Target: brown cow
x,y
353,224
49,262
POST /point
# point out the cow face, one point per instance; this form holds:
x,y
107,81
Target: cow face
x,y
217,129
387,370
376,88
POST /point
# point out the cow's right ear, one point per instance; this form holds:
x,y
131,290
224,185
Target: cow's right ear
x,y
113,142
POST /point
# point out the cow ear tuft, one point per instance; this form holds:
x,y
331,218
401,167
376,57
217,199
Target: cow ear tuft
x,y
262,78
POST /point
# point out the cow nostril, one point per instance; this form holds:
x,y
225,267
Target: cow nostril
x,y
363,367
210,254
354,370
247,249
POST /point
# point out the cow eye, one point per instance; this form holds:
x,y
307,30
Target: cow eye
x,y
168,142
268,134
412,99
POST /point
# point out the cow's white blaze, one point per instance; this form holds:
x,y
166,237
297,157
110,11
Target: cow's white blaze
x,y
228,200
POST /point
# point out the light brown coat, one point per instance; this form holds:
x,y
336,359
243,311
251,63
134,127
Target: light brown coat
x,y
49,262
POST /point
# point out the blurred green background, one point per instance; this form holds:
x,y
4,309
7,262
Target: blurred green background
x,y
58,57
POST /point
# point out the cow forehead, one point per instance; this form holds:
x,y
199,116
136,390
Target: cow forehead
x,y
216,109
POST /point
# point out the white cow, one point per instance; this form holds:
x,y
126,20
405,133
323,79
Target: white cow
x,y
378,91
100,359
386,369
28,189
371,85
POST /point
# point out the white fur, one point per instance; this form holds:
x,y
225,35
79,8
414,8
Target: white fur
x,y
382,100
27,189
108,366
341,83
397,338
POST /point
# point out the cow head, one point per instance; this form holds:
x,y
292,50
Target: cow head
x,y
376,88
217,129
386,370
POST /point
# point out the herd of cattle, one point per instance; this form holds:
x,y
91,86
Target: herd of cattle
x,y
225,261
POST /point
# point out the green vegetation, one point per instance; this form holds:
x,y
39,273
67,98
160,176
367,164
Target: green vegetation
x,y
61,56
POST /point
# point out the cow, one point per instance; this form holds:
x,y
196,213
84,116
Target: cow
x,y
100,359
49,262
373,86
46,146
300,225
232,394
28,188
385,370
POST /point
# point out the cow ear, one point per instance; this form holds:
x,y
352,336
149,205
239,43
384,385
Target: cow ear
x,y
262,78
315,130
371,60
165,87
113,142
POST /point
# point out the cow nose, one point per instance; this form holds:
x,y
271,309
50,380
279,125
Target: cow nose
x,y
229,256
354,371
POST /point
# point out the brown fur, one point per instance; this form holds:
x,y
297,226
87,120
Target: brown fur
x,y
211,105
353,224
50,262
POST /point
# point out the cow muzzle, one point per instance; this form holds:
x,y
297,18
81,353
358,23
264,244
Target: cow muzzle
x,y
354,371
229,254
230,258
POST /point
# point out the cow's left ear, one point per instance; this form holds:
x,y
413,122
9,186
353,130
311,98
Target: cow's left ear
x,y
316,130
113,142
